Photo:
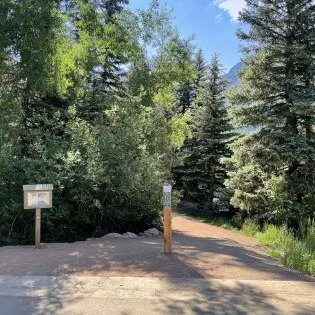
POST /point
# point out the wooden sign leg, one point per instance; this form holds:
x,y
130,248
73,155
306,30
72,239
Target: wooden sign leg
x,y
167,231
37,228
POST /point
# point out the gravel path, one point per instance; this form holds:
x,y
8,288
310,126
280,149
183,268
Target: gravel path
x,y
199,251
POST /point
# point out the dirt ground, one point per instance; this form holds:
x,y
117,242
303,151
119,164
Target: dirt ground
x,y
199,251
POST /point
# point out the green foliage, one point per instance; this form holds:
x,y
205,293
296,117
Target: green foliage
x,y
72,114
135,171
187,89
202,172
250,227
105,178
272,168
289,250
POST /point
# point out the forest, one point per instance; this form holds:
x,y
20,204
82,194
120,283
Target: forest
x,y
108,104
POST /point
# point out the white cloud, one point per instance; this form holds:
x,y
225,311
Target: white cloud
x,y
233,7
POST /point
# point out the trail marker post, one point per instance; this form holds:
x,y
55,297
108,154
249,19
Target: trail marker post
x,y
37,197
167,204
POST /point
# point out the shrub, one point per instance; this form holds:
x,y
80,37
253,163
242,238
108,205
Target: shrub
x,y
310,236
106,177
290,251
250,227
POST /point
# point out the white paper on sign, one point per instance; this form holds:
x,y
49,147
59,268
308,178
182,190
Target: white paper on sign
x,y
167,189
37,199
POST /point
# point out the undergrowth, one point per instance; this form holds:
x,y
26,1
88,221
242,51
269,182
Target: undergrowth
x,y
291,251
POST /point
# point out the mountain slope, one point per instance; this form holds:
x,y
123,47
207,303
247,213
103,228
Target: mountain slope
x,y
232,74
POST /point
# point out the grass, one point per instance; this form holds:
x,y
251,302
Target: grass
x,y
291,251
297,253
250,228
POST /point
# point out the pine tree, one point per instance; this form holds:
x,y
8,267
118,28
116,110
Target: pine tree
x,y
99,19
186,95
112,68
97,29
212,131
187,91
273,166
112,7
201,66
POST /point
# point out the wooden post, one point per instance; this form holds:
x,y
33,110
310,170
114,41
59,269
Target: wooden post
x,y
37,227
167,191
38,196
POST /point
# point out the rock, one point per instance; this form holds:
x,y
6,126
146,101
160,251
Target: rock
x,y
141,234
152,232
130,235
90,239
114,235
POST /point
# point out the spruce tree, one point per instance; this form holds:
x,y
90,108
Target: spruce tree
x,y
112,7
112,68
201,66
186,95
204,174
187,91
273,165
96,23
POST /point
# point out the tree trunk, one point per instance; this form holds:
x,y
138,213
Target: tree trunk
x,y
212,184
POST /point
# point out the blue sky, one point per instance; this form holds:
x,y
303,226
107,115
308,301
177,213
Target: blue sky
x,y
213,22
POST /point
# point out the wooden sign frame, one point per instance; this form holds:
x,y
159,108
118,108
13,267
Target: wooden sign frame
x,y
38,192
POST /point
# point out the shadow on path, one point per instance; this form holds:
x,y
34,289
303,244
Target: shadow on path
x,y
183,282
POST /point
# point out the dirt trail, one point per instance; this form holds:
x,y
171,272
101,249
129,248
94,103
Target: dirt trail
x,y
199,251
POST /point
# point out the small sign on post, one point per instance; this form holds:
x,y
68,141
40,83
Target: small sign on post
x,y
167,196
37,197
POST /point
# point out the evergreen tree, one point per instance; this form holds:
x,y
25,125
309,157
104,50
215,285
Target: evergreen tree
x,y
185,95
212,131
187,90
273,165
201,66
98,30
113,7
112,68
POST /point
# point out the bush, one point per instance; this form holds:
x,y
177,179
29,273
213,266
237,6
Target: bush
x,y
310,236
106,177
290,251
250,227
274,237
